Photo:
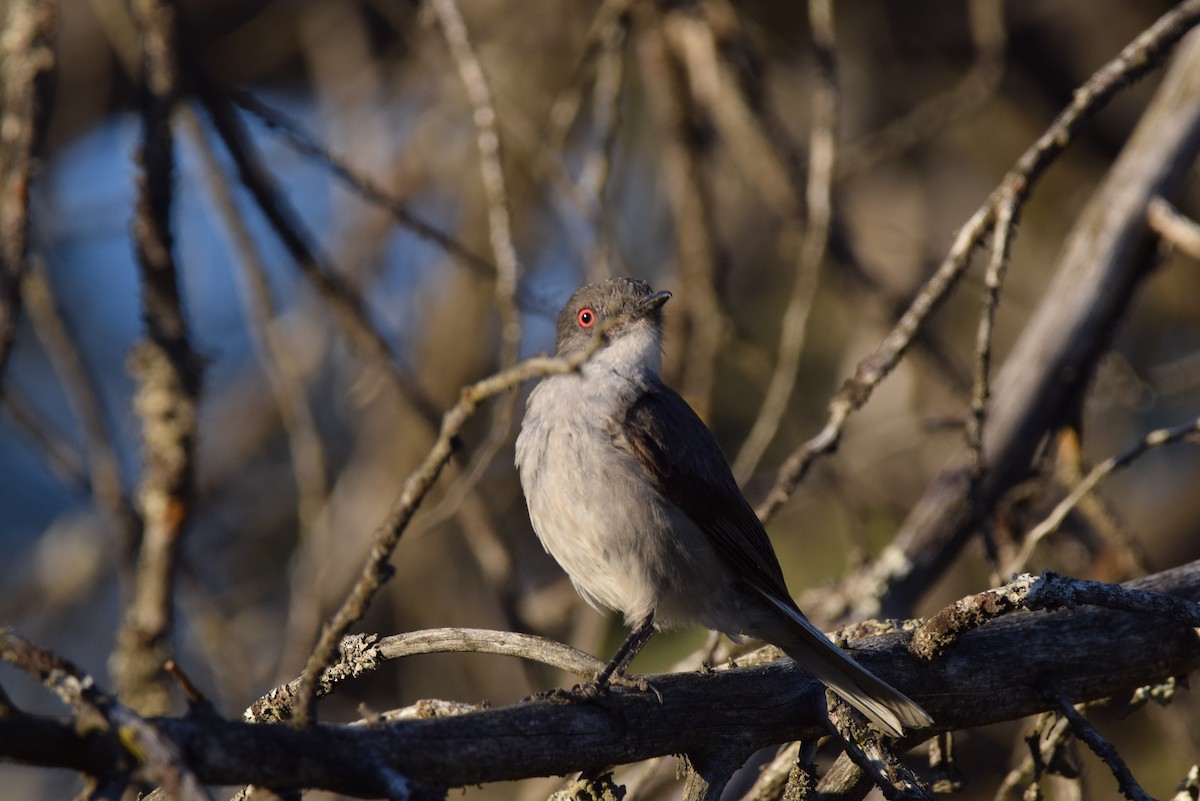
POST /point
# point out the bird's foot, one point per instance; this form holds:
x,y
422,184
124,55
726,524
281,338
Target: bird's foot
x,y
598,688
638,683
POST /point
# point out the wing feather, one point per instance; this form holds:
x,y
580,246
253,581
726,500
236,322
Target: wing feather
x,y
680,453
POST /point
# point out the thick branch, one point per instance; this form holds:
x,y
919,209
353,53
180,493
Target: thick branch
x,y
996,672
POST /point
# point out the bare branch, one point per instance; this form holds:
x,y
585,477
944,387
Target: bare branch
x,y
1163,436
27,63
993,674
1175,228
1101,748
362,653
307,145
104,471
1049,591
168,374
147,748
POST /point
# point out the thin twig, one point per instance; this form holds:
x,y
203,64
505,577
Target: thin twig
x,y
1157,438
51,443
813,244
1100,747
508,267
871,371
1044,745
1171,225
487,139
602,63
1002,234
104,471
370,190
363,653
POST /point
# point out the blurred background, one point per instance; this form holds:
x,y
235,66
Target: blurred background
x,y
606,172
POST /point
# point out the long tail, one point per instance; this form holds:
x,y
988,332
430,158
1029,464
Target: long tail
x,y
887,707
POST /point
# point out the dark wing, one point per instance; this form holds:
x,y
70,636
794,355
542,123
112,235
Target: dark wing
x,y
683,457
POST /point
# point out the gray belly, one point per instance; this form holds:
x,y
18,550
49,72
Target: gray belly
x,y
624,546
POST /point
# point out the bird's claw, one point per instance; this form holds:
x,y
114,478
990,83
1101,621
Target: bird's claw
x,y
594,690
638,683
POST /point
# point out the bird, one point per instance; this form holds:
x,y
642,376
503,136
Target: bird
x,y
629,491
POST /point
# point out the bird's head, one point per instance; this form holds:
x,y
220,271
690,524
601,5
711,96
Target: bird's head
x,y
627,310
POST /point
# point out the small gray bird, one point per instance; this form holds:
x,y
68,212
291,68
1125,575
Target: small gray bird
x,y
628,490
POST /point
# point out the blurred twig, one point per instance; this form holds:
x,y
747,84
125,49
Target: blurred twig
x,y
27,64
307,145
483,114
104,471
814,241
677,56
508,267
1004,230
602,62
344,301
60,454
168,374
308,457
987,28
606,118
1174,227
1157,438
774,775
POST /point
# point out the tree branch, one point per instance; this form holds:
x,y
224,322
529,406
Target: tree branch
x,y
27,63
996,672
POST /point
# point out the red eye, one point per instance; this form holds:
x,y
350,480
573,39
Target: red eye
x,y
586,318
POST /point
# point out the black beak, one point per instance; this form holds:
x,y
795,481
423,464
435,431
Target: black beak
x,y
652,302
